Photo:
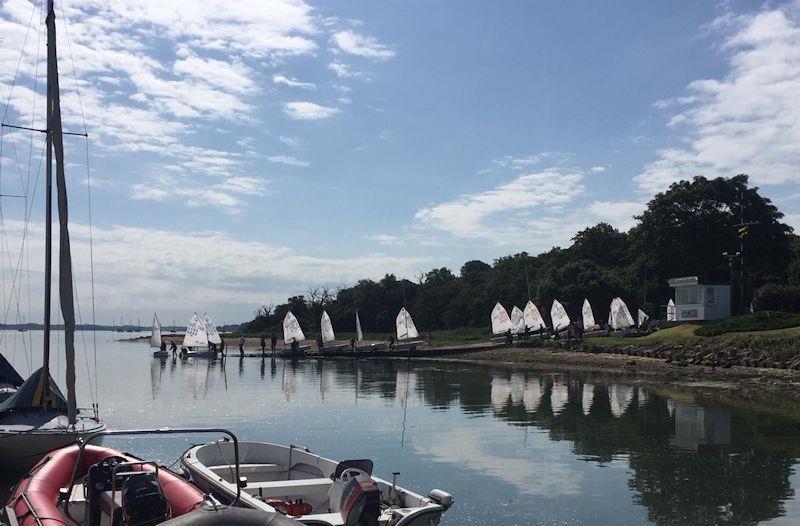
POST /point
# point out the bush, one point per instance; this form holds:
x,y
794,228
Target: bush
x,y
777,298
760,321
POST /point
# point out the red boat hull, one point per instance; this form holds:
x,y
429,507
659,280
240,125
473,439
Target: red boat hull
x,y
41,486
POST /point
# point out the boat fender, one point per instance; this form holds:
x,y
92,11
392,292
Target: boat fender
x,y
226,516
441,497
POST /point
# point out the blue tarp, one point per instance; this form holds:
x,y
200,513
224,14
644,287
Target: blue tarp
x,y
30,396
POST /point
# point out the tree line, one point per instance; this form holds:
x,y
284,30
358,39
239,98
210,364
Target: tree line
x,y
692,228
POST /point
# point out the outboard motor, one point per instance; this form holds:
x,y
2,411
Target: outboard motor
x,y
359,498
143,500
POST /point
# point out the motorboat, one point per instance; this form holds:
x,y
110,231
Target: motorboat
x,y
89,485
310,488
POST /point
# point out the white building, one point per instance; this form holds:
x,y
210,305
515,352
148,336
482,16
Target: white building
x,y
695,301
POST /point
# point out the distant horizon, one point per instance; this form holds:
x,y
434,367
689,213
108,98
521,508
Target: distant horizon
x,y
325,143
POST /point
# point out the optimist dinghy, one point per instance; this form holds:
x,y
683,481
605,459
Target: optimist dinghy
x,y
309,488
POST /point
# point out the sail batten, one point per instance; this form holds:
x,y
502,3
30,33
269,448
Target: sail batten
x,y
501,322
327,328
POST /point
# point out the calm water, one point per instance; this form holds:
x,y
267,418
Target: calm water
x,y
514,448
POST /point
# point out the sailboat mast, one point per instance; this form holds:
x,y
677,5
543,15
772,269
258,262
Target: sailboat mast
x,y
48,225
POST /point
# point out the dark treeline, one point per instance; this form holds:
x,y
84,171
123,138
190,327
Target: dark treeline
x,y
684,231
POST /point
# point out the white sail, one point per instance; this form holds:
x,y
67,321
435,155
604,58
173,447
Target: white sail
x,y
155,336
327,328
642,317
501,323
588,317
196,335
672,311
359,333
291,329
405,325
619,317
211,330
533,319
558,316
517,321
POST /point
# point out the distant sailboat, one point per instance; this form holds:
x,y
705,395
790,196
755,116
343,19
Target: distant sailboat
x,y
406,330
155,338
533,319
517,321
328,336
588,317
501,322
619,317
559,316
641,318
359,333
672,311
293,333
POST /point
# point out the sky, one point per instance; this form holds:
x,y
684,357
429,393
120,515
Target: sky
x,y
242,152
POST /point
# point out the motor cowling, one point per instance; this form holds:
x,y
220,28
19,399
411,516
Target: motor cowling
x,y
143,500
361,502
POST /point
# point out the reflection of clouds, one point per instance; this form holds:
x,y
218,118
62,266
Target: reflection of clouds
x,y
621,396
559,397
466,448
588,398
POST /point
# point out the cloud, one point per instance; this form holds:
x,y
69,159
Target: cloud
x,y
294,142
292,82
502,214
308,111
617,213
598,169
288,160
749,120
136,268
527,161
385,239
226,195
342,70
351,42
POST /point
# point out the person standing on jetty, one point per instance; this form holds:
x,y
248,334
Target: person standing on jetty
x,y
509,338
173,347
241,345
221,346
163,347
263,344
273,342
320,343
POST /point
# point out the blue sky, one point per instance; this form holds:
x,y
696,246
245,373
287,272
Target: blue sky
x,y
242,153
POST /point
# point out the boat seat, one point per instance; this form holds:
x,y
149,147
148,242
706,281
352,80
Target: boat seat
x,y
285,488
245,469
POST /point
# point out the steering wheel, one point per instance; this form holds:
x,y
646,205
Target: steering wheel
x,y
105,471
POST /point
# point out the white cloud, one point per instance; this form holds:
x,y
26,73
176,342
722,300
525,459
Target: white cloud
x,y
360,45
385,239
502,213
288,160
294,142
793,220
527,161
308,111
598,169
617,213
342,70
748,121
292,82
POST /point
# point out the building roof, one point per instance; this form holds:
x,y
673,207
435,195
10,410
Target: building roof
x,y
688,281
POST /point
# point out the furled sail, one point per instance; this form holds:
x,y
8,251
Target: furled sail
x,y
588,317
672,311
211,330
291,329
517,321
327,328
359,334
559,316
405,325
196,335
642,317
533,319
501,323
155,335
619,317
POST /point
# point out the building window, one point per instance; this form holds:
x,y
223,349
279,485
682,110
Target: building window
x,y
710,298
686,296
